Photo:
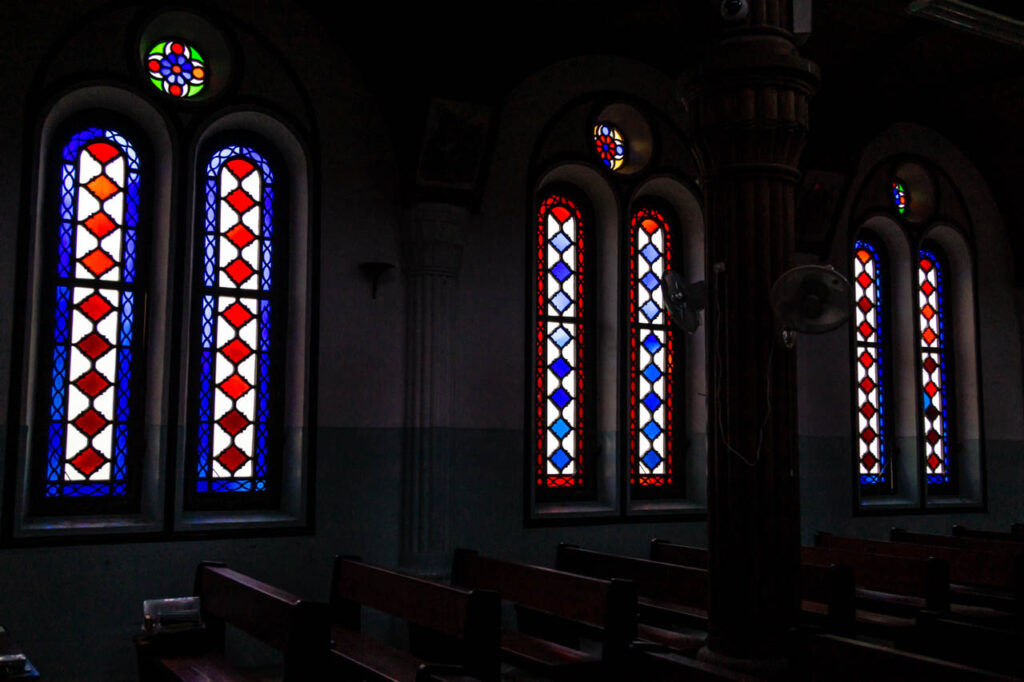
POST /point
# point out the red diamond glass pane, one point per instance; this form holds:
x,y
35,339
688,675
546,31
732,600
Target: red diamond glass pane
x,y
88,461
93,346
92,383
98,262
236,351
240,200
237,315
95,307
235,386
232,459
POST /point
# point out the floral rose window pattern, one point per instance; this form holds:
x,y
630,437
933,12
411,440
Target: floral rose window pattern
x,y
650,352
559,338
934,386
610,145
869,404
95,322
176,68
235,319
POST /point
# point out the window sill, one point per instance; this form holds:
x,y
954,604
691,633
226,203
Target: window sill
x,y
568,514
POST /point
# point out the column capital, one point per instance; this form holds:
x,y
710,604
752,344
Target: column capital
x,y
750,107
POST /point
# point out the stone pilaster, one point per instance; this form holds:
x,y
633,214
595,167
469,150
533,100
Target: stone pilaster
x,y
433,236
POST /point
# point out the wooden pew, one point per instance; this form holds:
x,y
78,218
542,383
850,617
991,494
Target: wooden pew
x,y
992,648
992,580
965,532
890,591
826,593
974,543
828,597
668,594
454,633
682,555
297,628
566,599
831,658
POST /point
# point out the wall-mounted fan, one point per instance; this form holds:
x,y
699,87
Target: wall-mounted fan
x,y
811,299
684,301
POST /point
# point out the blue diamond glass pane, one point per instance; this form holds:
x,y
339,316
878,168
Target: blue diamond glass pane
x,y
650,253
561,242
652,373
561,271
560,367
561,301
560,458
651,430
560,337
652,343
651,401
650,310
561,398
650,281
561,428
651,459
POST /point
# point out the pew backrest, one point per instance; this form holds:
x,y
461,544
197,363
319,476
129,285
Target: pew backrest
x,y
1002,570
664,582
471,619
924,578
683,555
608,605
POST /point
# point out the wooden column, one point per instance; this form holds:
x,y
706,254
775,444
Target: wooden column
x,y
750,111
432,255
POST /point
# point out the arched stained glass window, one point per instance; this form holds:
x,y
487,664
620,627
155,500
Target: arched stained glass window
x,y
935,389
235,300
869,386
560,344
650,352
95,321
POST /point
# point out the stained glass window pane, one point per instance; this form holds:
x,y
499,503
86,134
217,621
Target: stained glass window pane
x,y
933,386
899,197
94,325
610,145
869,390
559,338
650,352
235,319
176,68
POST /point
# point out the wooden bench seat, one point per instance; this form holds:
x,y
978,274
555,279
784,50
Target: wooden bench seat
x,y
297,628
832,658
453,632
553,606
